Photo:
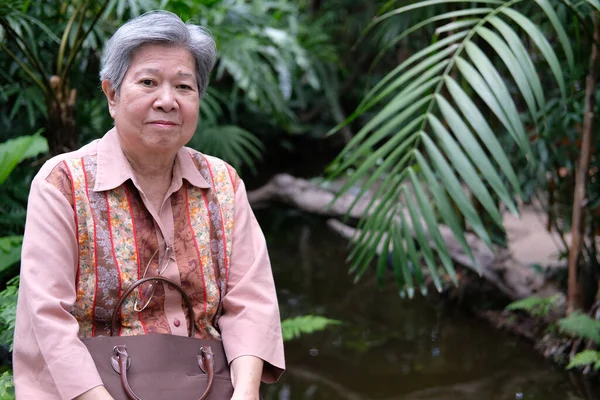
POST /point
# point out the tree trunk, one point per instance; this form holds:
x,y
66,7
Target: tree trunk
x,y
575,299
61,130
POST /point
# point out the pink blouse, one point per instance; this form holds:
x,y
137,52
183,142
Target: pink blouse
x,y
49,360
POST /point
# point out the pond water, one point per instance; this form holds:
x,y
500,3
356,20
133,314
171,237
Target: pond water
x,y
388,347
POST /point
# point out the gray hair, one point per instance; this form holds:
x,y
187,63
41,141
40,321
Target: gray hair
x,y
160,27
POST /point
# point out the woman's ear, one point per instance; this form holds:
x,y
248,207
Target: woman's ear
x,y
111,96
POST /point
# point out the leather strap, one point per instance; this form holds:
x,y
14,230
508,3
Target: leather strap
x,y
115,317
205,357
206,363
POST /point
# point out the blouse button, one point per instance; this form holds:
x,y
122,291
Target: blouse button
x,y
171,287
176,322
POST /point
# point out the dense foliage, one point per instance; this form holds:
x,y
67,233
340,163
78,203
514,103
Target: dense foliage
x,y
473,106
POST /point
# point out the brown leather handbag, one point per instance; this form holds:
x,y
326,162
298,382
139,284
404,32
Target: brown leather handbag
x,y
161,366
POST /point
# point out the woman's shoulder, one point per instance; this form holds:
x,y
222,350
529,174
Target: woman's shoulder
x,y
53,168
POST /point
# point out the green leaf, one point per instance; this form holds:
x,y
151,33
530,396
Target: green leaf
x,y
461,164
456,25
10,251
560,30
414,258
433,48
409,76
513,65
584,358
392,158
475,152
483,130
483,90
398,103
400,264
440,17
13,151
443,204
363,148
428,214
542,43
372,227
500,91
581,325
594,3
455,189
423,4
233,144
401,100
382,262
522,55
535,306
293,328
421,237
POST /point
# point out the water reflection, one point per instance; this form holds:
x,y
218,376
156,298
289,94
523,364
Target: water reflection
x,y
388,348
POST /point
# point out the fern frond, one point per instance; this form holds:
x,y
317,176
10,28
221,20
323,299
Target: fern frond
x,y
293,328
585,358
581,325
535,306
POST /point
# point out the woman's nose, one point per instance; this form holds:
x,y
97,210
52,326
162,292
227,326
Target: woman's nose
x,y
165,99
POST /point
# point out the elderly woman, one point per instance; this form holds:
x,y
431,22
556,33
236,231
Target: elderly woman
x,y
138,203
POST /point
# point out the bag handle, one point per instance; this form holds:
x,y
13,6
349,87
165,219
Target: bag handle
x,y
122,359
205,362
186,298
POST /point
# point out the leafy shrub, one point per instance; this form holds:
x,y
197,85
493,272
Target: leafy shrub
x,y
7,391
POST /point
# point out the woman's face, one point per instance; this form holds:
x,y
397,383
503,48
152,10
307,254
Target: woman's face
x,y
156,110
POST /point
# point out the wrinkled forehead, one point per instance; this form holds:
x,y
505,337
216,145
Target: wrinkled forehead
x,y
154,58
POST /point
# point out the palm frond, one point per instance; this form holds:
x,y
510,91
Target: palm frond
x,y
430,131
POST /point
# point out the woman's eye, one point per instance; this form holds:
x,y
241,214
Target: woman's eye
x,y
146,82
184,86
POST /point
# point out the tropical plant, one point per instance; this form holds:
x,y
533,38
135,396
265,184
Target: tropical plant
x,y
447,127
49,45
272,60
271,63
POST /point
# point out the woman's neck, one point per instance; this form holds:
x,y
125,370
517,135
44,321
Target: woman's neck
x,y
153,176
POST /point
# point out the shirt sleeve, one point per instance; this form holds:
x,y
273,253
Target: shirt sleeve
x,y
250,324
49,360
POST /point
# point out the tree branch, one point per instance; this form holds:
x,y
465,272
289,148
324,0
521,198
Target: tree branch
x,y
575,300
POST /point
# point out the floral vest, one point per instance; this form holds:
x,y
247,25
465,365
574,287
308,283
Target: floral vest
x,y
116,236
